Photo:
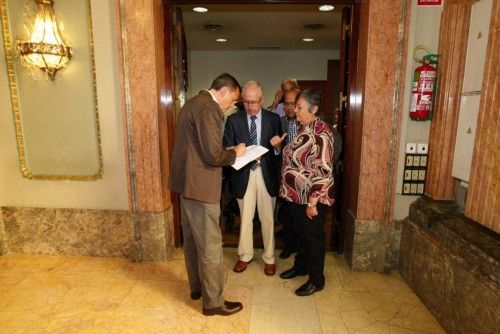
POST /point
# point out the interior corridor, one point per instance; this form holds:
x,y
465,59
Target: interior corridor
x,y
61,294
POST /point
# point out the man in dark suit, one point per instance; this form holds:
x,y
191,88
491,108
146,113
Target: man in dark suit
x,y
290,126
256,184
196,174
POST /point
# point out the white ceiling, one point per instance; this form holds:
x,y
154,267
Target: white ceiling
x,y
262,26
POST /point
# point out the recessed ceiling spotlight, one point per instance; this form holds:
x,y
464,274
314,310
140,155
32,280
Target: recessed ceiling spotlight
x,y
221,40
212,26
326,8
314,26
308,39
200,9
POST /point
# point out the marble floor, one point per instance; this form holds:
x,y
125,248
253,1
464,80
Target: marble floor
x,y
60,294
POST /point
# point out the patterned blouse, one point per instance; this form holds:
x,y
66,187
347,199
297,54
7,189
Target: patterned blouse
x,y
308,165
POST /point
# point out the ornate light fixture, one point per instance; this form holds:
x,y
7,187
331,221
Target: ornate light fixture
x,y
45,49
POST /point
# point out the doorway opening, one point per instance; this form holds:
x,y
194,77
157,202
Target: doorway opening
x,y
264,42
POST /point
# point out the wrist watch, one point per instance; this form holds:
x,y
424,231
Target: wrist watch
x,y
309,205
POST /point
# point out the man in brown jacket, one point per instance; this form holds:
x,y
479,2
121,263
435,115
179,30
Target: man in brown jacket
x,y
196,174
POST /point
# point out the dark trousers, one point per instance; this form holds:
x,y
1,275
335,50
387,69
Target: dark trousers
x,y
310,234
289,230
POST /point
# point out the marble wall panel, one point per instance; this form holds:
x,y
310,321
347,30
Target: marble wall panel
x,y
68,231
103,233
156,235
459,296
372,245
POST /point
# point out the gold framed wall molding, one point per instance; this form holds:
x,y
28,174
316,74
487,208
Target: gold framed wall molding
x,y
41,155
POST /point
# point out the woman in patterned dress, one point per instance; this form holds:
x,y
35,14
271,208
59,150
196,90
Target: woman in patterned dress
x,y
307,187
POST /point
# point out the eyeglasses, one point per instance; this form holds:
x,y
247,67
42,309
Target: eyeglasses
x,y
251,103
289,104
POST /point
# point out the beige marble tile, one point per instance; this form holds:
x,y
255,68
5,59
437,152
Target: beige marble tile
x,y
30,262
296,315
35,321
95,295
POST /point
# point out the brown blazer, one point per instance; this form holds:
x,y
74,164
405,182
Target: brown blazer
x,y
195,167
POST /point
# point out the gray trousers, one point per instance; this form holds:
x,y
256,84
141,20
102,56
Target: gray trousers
x,y
203,250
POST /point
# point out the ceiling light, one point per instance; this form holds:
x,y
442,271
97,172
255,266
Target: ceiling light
x,y
326,8
221,40
200,9
212,26
314,26
308,39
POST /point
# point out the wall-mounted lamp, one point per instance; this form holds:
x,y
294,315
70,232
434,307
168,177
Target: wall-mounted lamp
x,y
45,49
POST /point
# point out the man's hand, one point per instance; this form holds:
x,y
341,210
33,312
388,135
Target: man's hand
x,y
278,95
276,141
240,149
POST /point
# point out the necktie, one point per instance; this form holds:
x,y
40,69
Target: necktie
x,y
253,138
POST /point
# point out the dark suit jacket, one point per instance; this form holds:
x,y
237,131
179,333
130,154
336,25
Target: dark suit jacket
x,y
284,129
236,130
195,168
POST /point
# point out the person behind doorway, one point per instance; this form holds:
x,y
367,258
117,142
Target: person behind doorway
x,y
256,184
289,125
196,174
287,85
307,186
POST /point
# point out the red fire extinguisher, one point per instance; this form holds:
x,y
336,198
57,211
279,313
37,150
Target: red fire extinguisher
x,y
424,84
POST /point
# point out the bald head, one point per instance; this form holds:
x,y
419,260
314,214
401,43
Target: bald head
x,y
253,98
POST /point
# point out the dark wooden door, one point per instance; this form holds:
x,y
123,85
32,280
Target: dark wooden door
x,y
340,213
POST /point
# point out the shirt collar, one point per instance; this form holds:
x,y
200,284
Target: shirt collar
x,y
212,95
259,115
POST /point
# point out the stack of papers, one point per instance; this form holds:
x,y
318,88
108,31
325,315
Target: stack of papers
x,y
253,152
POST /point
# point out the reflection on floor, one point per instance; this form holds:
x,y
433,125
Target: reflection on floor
x,y
58,294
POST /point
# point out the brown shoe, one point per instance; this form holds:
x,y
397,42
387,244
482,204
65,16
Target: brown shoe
x,y
269,269
241,266
227,308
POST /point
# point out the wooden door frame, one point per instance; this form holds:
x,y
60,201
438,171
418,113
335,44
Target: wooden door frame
x,y
168,49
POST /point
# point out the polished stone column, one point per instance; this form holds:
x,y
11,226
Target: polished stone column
x,y
452,49
373,126
483,203
141,24
147,107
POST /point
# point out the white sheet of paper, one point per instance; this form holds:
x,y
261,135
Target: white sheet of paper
x,y
252,153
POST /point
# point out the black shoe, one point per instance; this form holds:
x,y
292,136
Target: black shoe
x,y
291,273
308,289
228,308
195,295
285,254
